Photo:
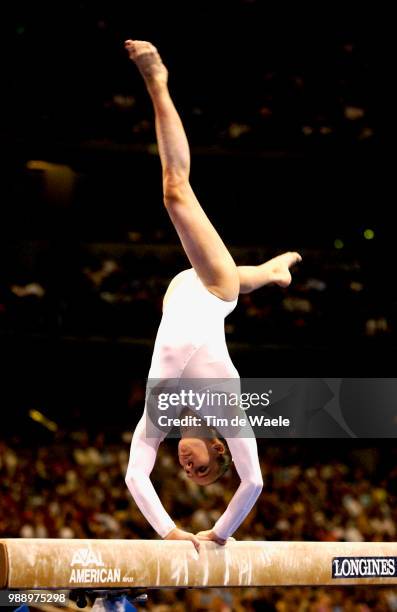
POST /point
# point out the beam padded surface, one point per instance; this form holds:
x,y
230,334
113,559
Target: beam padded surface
x,y
63,564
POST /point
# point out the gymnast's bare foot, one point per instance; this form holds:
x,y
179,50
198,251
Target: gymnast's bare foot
x,y
148,61
278,268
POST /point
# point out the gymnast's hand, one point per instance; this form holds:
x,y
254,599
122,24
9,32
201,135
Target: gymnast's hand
x,y
210,535
179,534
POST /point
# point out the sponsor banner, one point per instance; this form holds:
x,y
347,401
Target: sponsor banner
x,y
88,567
364,567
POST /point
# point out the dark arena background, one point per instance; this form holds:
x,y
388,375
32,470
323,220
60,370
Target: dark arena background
x,y
284,116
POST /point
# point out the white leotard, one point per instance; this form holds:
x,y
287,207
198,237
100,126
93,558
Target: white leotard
x,y
191,343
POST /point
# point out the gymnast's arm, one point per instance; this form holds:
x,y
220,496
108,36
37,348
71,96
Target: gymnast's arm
x,y
142,458
245,456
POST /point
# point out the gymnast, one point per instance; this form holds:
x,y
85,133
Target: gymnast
x,y
190,342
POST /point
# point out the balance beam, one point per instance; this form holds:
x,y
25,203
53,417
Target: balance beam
x,y
69,563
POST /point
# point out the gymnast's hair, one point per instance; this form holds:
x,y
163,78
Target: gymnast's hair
x,y
224,463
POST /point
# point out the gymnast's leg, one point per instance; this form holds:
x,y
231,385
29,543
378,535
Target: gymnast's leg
x,y
275,271
205,249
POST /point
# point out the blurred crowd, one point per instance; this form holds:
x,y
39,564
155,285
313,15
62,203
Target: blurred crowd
x,y
286,84
116,291
288,105
72,486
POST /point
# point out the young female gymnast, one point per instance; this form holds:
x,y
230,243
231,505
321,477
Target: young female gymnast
x,y
190,342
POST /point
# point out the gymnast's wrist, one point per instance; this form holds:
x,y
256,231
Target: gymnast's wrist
x,y
169,532
216,534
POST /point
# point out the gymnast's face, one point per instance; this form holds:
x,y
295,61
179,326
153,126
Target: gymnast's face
x,y
199,458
